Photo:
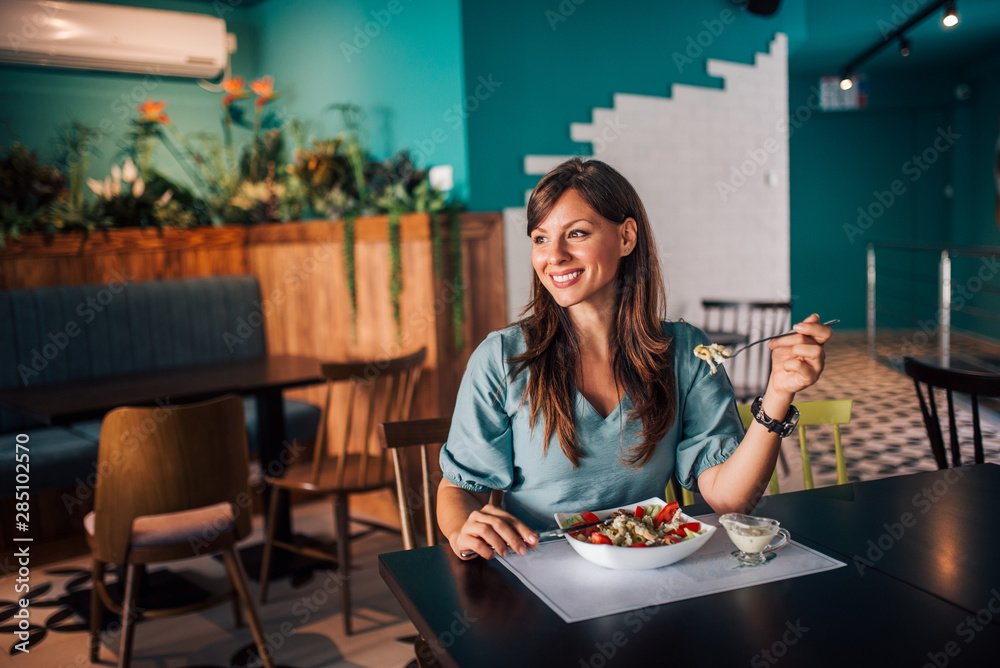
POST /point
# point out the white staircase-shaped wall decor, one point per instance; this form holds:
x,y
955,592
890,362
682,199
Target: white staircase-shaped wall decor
x,y
711,167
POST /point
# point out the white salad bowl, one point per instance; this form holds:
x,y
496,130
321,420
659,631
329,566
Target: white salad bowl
x,y
631,558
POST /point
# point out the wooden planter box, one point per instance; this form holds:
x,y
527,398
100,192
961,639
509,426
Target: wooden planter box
x,y
300,266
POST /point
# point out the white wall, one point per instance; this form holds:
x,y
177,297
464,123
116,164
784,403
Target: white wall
x,y
711,167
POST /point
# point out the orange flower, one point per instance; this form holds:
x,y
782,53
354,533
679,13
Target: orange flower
x,y
264,88
152,112
234,90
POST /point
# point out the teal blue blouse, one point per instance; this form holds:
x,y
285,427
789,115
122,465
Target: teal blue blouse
x,y
491,444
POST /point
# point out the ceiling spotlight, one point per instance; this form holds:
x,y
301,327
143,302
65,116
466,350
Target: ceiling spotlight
x,y
846,83
950,19
904,46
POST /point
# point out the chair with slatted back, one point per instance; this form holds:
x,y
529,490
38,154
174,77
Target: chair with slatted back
x,y
834,412
414,437
172,485
973,383
353,463
747,321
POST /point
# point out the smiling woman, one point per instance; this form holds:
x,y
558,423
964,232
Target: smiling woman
x,y
616,386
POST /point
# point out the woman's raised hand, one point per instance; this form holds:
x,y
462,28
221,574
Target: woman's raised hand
x,y
490,530
797,361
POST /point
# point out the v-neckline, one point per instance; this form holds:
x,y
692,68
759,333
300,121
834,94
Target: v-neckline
x,y
604,418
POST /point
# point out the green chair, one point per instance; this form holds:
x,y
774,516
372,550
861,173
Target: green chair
x,y
811,413
833,412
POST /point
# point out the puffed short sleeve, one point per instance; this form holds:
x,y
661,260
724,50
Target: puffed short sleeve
x,y
710,424
478,455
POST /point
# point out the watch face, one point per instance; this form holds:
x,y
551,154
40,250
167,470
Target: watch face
x,y
793,419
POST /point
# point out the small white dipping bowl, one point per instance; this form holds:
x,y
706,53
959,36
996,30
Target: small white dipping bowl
x,y
635,558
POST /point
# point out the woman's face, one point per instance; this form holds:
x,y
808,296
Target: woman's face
x,y
575,252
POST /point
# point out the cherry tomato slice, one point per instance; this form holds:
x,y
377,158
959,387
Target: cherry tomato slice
x,y
640,512
589,516
600,539
667,513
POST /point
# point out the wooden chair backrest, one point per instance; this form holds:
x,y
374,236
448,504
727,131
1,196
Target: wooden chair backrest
x,y
756,320
378,391
834,412
168,459
975,384
414,435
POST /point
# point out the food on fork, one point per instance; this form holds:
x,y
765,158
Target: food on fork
x,y
713,354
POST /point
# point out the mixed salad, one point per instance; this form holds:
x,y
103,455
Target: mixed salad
x,y
646,526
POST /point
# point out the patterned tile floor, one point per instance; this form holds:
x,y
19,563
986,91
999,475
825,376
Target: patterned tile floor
x,y
886,436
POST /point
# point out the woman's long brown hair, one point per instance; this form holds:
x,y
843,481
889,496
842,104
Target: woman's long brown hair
x,y
639,351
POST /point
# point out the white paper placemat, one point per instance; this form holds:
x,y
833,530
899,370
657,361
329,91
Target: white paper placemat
x,y
577,590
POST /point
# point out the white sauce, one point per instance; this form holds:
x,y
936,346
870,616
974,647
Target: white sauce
x,y
750,539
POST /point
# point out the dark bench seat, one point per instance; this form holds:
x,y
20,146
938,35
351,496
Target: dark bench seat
x,y
67,333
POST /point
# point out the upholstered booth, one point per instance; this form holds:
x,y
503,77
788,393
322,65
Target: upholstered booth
x,y
51,335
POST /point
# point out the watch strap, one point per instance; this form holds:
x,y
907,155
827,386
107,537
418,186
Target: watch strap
x,y
782,428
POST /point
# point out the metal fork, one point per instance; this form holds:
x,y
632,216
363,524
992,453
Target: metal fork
x,y
776,336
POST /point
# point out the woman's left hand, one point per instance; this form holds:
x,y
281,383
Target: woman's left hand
x,y
797,361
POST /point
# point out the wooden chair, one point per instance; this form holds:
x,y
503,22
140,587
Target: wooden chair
x,y
378,390
753,320
414,435
833,412
975,384
172,485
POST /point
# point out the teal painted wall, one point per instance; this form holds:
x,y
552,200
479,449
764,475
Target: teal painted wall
x,y
400,60
408,79
552,67
974,210
843,168
839,161
35,101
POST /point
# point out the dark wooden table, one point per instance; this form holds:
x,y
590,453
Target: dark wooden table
x,y
931,598
262,377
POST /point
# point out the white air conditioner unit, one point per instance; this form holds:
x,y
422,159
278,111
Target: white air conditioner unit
x,y
108,37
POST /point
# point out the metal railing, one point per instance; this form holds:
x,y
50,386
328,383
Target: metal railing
x,y
902,291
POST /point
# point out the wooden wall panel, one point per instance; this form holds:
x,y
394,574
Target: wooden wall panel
x,y
301,269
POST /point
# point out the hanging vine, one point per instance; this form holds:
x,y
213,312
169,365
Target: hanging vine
x,y
458,303
396,268
352,284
